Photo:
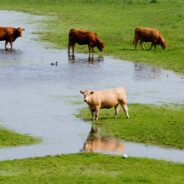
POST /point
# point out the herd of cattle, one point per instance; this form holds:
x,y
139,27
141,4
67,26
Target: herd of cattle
x,y
96,100
82,37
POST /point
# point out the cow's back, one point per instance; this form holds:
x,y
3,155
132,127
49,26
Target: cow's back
x,y
6,33
81,36
111,97
147,34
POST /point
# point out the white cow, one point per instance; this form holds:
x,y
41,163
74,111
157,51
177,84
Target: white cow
x,y
97,100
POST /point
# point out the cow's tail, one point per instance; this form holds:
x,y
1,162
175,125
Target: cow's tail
x,y
135,40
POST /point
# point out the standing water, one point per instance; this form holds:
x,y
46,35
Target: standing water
x,y
36,97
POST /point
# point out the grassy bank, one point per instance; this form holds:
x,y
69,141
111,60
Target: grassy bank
x,y
90,168
160,125
115,22
11,138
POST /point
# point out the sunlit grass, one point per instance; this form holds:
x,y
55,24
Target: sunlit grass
x,y
90,168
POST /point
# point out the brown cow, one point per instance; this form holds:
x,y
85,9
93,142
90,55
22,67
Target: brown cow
x,y
97,100
149,35
83,37
10,34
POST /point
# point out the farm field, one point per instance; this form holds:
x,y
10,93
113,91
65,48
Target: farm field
x,y
51,91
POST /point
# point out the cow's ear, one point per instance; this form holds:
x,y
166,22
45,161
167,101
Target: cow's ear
x,y
91,92
82,92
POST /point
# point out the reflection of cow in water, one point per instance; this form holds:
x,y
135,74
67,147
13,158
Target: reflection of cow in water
x,y
96,143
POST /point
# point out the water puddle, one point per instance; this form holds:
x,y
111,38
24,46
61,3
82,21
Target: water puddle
x,y
35,95
107,145
97,143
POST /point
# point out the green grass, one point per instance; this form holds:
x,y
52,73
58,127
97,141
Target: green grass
x,y
90,168
11,138
114,21
160,125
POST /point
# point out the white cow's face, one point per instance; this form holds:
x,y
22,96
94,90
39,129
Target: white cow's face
x,y
87,94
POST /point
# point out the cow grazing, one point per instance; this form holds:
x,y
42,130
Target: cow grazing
x,y
9,35
83,37
149,35
97,100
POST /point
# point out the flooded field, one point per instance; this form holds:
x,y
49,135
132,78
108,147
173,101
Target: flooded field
x,y
109,145
37,97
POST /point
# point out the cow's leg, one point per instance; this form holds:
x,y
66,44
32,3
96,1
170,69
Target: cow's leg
x,y
5,45
125,108
73,45
155,46
93,49
142,44
68,48
116,108
97,113
89,48
151,45
11,44
93,115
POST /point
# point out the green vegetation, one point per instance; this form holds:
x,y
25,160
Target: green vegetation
x,y
90,168
10,138
160,125
114,21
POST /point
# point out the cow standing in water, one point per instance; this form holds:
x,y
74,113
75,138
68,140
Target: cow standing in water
x,y
83,37
9,35
107,99
149,35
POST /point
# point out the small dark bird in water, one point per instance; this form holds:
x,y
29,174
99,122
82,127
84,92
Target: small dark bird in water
x,y
56,63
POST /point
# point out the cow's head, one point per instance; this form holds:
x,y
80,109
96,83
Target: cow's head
x,y
163,42
100,46
18,31
164,45
87,95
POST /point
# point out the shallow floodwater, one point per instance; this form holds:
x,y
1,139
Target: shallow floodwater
x,y
109,145
36,97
